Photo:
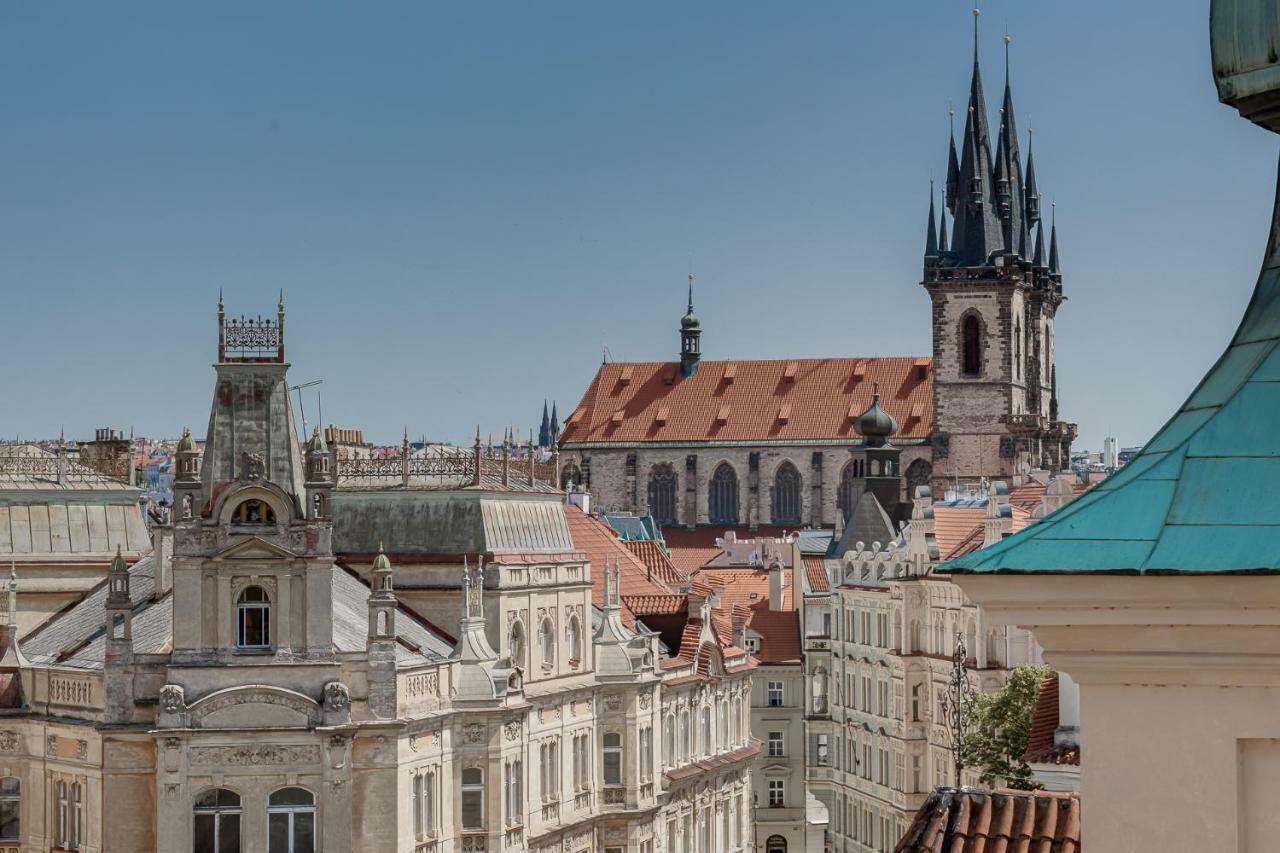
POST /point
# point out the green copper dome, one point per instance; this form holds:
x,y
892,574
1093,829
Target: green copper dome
x,y
187,444
316,444
380,562
875,422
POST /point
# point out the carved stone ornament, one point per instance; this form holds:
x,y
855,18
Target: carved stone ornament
x,y
336,696
645,701
613,702
252,466
82,749
8,741
473,733
51,744
513,730
413,743
173,699
254,755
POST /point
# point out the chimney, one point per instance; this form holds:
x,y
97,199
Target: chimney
x,y
162,555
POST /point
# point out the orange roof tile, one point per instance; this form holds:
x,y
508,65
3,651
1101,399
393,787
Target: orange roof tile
x,y
815,569
955,527
741,400
779,632
660,566
693,549
1041,748
601,543
646,605
975,821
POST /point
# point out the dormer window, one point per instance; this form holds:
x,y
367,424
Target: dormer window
x,y
253,619
254,511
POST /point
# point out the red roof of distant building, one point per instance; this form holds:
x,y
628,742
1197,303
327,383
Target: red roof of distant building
x,y
1031,493
601,544
968,820
815,569
659,564
1041,748
776,400
693,549
959,529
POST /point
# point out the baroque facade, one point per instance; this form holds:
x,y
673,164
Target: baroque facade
x,y
261,682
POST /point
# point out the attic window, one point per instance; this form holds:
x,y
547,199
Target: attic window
x,y
730,371
669,377
753,596
722,415
619,416
917,411
661,417
860,370
790,373
784,413
922,368
625,378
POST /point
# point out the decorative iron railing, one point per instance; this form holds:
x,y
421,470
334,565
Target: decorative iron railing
x,y
46,467
451,465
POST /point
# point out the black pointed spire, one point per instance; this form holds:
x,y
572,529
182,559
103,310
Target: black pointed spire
x,y
931,236
1054,268
555,424
1038,259
1008,169
942,226
978,232
544,431
1031,190
952,190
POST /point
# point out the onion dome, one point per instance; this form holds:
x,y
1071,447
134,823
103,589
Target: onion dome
x,y
875,423
316,444
187,444
690,320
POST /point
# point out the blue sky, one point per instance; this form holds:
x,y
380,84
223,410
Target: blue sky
x,y
466,203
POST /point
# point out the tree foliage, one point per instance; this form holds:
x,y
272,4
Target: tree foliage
x,y
1002,727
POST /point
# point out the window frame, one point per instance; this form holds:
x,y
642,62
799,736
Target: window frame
x,y
772,688
470,790
219,812
777,793
263,608
612,753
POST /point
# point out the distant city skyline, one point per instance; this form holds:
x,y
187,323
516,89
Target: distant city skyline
x,y
465,208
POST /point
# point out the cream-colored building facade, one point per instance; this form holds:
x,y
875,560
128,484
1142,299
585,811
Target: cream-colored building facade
x,y
256,683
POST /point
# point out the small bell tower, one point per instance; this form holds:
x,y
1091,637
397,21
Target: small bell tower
x,y
319,477
690,338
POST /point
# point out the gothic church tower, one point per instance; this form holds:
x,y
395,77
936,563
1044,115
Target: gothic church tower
x,y
995,294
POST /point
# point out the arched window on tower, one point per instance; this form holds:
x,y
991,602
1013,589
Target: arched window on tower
x,y
786,495
254,511
570,475
919,473
662,494
850,489
722,497
971,345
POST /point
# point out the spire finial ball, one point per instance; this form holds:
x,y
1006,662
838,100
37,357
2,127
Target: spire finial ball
x,y
1008,38
977,12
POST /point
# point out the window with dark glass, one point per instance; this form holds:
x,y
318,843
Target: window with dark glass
x,y
662,494
10,808
850,489
722,504
216,826
254,511
291,821
253,618
473,798
612,758
971,346
786,495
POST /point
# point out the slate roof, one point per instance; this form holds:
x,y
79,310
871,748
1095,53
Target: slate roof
x,y
966,820
780,401
80,530
868,524
1201,496
75,636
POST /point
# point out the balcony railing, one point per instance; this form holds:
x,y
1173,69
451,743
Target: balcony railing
x,y
448,466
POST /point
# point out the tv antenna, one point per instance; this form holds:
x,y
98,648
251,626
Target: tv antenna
x,y
301,408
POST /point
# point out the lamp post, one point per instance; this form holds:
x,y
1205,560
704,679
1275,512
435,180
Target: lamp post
x,y
958,705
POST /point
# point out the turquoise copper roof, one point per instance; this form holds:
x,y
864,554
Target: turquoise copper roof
x,y
1202,496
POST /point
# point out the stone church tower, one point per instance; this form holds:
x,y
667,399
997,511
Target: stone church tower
x,y
995,293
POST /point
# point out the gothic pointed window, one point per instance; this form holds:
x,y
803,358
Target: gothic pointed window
x,y
570,475
253,619
291,821
662,494
919,473
971,345
217,822
722,498
786,495
850,489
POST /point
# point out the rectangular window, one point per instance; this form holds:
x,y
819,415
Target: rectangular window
x,y
613,758
775,694
777,793
775,745
646,754
10,808
473,798
823,756
753,645
515,801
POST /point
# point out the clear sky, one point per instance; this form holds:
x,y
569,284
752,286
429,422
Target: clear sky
x,y
465,203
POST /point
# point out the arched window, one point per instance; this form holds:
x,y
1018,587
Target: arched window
x,y
685,747
971,345
217,822
10,808
473,798
850,489
612,742
662,494
291,821
570,475
253,619
722,497
1017,349
547,641
669,740
516,644
706,732
573,641
786,495
776,843
254,511
919,473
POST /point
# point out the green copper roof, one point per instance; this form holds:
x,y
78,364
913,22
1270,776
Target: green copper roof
x,y
1202,496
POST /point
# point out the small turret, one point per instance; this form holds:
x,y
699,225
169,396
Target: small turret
x,y
875,424
931,233
1054,268
690,338
118,605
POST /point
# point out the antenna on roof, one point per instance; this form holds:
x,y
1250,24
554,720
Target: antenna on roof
x,y
605,355
301,409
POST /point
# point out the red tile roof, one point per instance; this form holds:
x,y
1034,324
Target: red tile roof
x,y
748,591
815,569
601,543
633,402
967,820
779,632
650,605
1041,748
693,549
660,565
958,529
1031,493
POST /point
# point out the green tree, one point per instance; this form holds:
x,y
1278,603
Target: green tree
x,y
1001,728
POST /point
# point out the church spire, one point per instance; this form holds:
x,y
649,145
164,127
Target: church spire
x,y
931,235
952,189
942,226
1054,268
690,338
1008,168
544,431
1031,190
978,232
1037,260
